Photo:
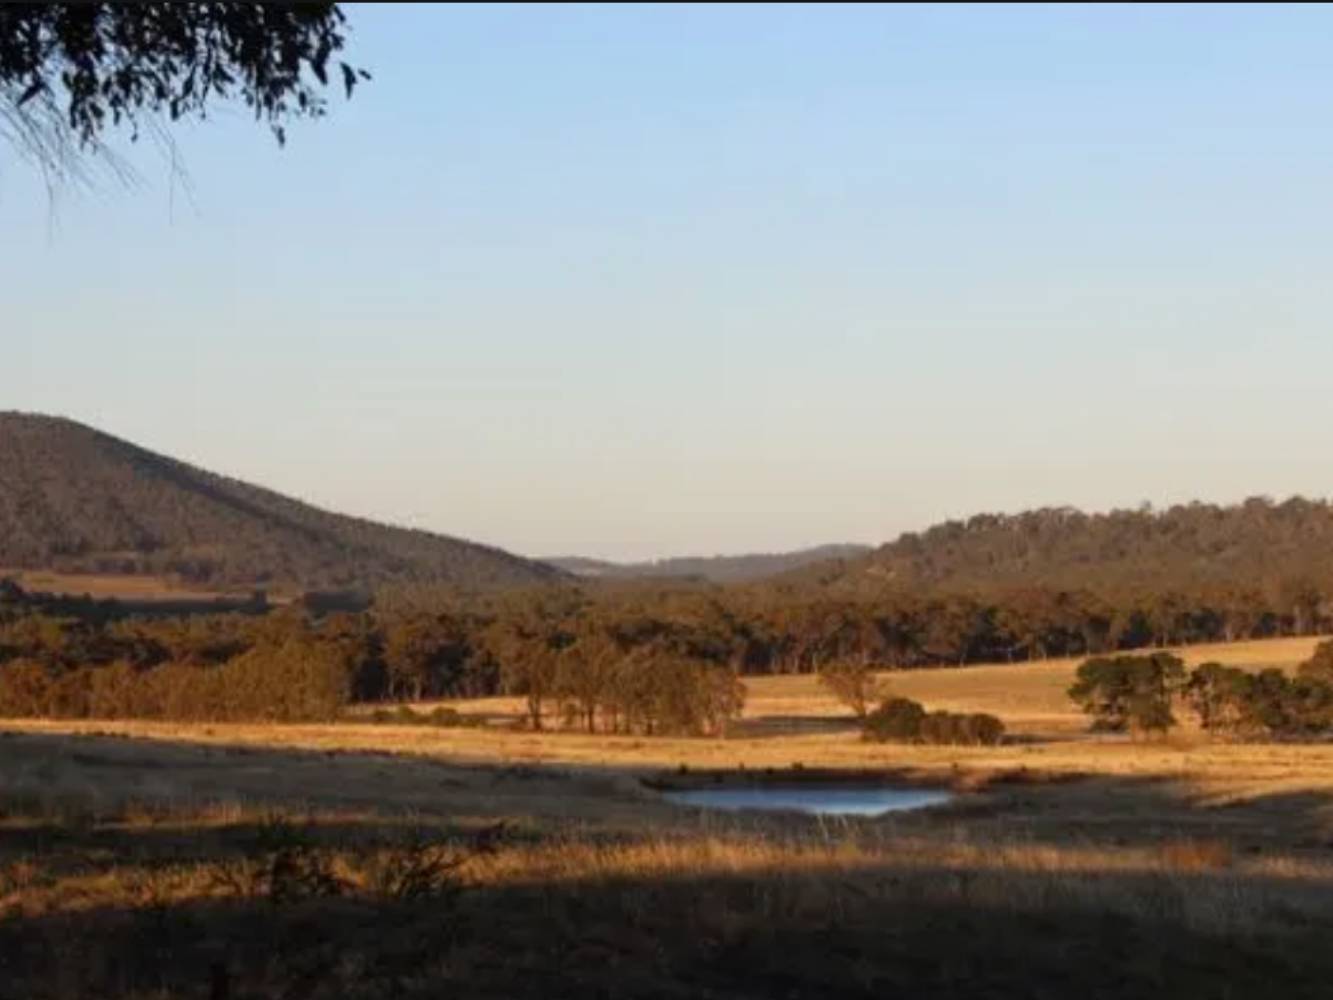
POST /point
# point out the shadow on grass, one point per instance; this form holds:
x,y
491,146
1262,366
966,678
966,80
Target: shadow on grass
x,y
79,778
893,922
862,931
773,726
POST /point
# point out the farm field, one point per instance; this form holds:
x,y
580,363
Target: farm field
x,y
791,721
103,586
494,862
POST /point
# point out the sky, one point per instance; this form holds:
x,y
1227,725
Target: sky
x,y
633,282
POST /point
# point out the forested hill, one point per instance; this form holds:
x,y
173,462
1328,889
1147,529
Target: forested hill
x,y
73,498
1254,544
716,569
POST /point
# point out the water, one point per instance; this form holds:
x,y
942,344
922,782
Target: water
x,y
822,800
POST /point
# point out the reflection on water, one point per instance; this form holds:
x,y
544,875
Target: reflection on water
x,y
825,800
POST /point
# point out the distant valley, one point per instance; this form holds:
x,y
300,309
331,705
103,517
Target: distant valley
x,y
716,569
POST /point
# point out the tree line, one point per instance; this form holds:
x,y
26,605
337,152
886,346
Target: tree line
x,y
633,657
1141,694
289,665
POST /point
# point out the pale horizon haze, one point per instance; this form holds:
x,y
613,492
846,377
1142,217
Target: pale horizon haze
x,y
636,282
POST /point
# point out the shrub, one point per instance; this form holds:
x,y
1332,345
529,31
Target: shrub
x,y
983,729
941,728
897,720
901,720
446,717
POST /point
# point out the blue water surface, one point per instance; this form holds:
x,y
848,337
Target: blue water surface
x,y
823,800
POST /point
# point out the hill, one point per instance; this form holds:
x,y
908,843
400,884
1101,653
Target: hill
x,y
715,569
74,499
1254,544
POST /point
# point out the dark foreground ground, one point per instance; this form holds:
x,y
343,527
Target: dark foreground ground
x,y
138,870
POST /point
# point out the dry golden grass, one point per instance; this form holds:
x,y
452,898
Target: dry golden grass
x,y
1029,697
134,867
147,898
791,720
111,585
1217,771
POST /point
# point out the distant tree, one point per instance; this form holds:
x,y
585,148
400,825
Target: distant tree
x,y
1306,600
1320,664
1310,706
1129,692
1218,695
70,71
585,675
532,671
854,684
425,655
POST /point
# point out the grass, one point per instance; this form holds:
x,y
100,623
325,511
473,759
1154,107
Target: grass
x,y
1029,697
792,720
123,586
159,860
410,878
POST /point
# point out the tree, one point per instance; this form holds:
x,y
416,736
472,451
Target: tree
x,y
854,684
1320,664
585,675
69,72
1218,695
532,670
426,655
1129,692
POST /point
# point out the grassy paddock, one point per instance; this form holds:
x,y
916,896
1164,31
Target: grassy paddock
x,y
117,586
1030,697
359,860
161,869
791,720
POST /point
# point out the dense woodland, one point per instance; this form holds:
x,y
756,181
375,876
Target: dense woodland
x,y
636,658
75,499
1257,543
450,618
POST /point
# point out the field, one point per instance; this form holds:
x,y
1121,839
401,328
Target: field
x,y
103,586
360,859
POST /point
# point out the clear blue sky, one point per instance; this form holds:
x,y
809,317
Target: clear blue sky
x,y
643,281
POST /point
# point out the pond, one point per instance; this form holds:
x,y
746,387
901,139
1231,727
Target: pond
x,y
821,800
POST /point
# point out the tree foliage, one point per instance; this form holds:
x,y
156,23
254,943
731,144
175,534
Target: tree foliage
x,y
1129,693
854,684
901,720
1138,693
1320,664
102,65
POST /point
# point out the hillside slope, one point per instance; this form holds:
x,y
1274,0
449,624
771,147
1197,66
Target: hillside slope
x,y
76,499
1254,544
